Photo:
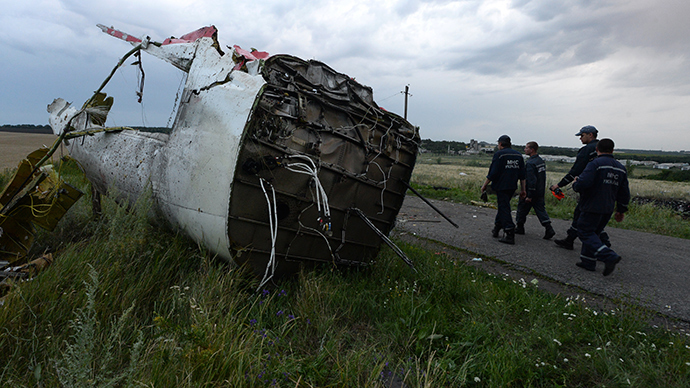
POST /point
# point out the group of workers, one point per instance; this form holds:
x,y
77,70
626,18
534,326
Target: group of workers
x,y
600,180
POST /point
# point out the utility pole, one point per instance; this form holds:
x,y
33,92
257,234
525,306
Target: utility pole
x,y
407,92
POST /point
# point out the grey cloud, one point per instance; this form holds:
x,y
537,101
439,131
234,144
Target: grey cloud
x,y
566,40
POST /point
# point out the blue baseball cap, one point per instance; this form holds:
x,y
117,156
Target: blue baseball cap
x,y
587,129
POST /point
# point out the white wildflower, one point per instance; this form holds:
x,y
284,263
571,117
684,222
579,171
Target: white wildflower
x,y
588,355
477,380
557,341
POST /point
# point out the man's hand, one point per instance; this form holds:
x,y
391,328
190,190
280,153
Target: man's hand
x,y
553,187
528,199
618,216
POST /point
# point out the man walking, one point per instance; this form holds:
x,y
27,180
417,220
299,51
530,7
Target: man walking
x,y
507,167
535,176
603,187
588,137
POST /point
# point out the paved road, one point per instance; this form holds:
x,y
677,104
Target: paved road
x,y
654,272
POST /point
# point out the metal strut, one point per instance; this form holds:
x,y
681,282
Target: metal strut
x,y
430,204
383,237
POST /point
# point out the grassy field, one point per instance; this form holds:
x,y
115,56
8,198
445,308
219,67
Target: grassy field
x,y
459,179
129,305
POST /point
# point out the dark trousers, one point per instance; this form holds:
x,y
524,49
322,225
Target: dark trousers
x,y
503,217
573,230
524,207
589,227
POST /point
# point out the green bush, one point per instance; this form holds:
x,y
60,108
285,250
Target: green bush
x,y
671,175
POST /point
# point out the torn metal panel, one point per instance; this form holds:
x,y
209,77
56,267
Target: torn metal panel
x,y
272,161
36,196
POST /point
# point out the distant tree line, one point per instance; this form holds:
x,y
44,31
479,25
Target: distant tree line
x,y
442,147
660,156
27,128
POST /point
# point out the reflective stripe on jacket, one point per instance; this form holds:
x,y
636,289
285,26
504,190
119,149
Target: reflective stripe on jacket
x,y
585,155
603,186
535,176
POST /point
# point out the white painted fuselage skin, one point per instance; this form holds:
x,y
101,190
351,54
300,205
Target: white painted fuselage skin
x,y
190,171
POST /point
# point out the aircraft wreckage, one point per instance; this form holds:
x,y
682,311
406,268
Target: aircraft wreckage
x,y
272,161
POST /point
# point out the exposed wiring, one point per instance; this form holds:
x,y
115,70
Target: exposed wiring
x,y
273,226
173,113
319,194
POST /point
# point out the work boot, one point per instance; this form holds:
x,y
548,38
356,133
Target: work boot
x,y
520,229
495,230
609,266
586,266
549,232
566,243
508,237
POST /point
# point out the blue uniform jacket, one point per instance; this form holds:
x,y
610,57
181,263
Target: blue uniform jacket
x,y
603,185
585,155
535,176
507,166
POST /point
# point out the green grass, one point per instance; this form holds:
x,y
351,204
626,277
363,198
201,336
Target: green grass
x,y
126,304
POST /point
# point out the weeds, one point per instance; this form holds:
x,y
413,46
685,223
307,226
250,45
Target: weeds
x,y
189,321
90,361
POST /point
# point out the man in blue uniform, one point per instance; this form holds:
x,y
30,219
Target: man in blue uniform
x,y
603,187
588,137
507,167
535,176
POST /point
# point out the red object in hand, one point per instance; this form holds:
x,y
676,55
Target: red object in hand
x,y
558,193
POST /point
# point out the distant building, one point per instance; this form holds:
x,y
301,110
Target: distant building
x,y
647,163
558,158
668,166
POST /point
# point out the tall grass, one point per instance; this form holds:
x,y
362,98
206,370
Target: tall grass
x,y
126,304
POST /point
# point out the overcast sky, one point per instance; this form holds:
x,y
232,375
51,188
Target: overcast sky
x,y
535,70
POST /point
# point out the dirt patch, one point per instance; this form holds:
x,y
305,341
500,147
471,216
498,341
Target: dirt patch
x,y
16,146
